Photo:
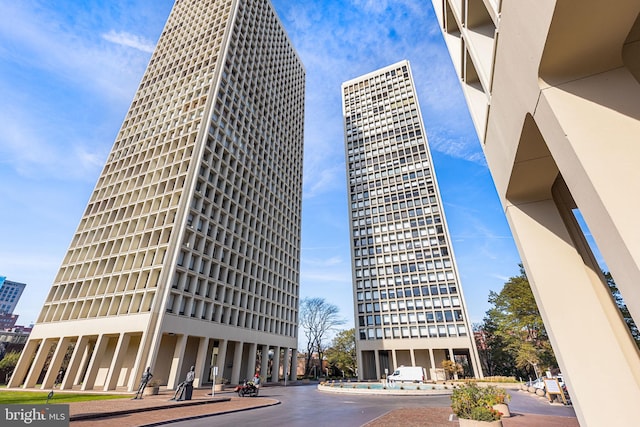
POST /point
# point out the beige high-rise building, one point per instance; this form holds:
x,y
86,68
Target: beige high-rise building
x,y
188,252
408,301
553,89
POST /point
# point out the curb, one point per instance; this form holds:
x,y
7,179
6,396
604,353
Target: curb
x,y
196,417
96,415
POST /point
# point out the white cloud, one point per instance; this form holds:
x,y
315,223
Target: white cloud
x,y
63,83
73,54
381,6
319,178
458,147
130,40
323,262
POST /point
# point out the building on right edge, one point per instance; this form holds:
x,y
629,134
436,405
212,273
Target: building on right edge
x,y
553,89
408,302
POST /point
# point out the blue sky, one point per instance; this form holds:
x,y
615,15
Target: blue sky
x,y
69,70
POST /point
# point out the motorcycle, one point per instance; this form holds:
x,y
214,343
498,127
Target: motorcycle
x,y
247,388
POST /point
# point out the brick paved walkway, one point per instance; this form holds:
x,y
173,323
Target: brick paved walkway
x,y
154,410
439,417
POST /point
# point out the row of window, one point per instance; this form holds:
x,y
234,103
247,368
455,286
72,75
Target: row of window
x,y
382,295
391,77
411,318
88,308
424,331
271,318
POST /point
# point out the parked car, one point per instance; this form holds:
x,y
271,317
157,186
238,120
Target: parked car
x,y
537,383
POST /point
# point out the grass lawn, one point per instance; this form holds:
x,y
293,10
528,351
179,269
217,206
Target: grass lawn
x,y
10,397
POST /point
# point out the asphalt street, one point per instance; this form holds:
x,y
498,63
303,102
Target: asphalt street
x,y
305,406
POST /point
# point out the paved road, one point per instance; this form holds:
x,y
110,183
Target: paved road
x,y
305,406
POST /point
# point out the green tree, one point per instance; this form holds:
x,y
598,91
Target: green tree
x,y
8,364
342,353
624,311
517,328
451,368
494,357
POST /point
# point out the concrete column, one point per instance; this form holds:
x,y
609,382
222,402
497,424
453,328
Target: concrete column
x,y
376,357
176,363
140,365
294,362
578,311
38,363
432,369
413,357
237,362
56,363
285,370
474,356
395,360
275,371
202,364
75,363
22,367
453,359
222,357
359,356
264,362
575,120
94,364
116,363
84,361
251,362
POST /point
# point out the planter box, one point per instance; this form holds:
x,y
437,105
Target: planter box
x,y
151,390
503,408
473,423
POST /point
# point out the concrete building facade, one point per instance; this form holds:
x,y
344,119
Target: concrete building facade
x,y
10,293
408,302
553,89
188,252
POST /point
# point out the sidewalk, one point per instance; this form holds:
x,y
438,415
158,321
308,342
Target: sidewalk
x,y
439,417
158,409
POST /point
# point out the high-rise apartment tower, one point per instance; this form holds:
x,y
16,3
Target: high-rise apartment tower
x,y
10,293
188,250
553,87
409,306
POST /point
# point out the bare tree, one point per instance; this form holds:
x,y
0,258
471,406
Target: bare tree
x,y
317,319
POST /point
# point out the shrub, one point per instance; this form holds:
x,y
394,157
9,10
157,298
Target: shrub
x,y
484,414
472,402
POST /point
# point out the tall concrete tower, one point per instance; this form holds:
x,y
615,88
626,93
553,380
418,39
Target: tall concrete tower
x,y
10,293
188,251
409,306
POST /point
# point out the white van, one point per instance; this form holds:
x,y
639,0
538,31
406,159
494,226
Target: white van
x,y
415,374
